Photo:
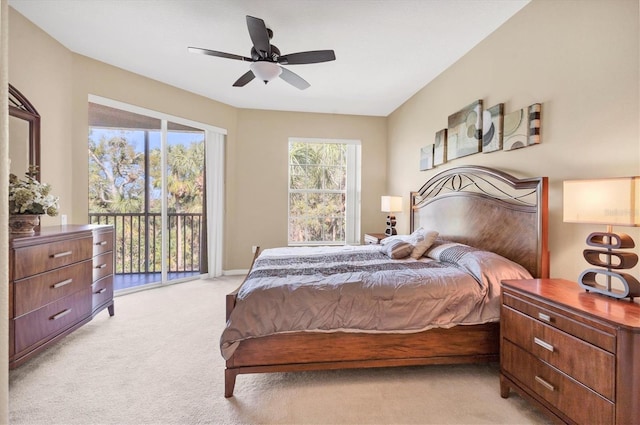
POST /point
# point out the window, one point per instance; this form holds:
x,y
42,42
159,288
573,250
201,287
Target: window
x,y
324,191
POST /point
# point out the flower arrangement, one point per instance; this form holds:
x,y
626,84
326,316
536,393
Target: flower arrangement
x,y
29,196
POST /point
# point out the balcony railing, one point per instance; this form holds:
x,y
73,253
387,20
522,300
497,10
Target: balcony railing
x,y
139,240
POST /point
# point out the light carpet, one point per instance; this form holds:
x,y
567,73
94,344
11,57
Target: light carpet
x,y
157,361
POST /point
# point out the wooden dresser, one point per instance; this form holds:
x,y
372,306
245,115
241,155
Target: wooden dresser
x,y
59,279
574,354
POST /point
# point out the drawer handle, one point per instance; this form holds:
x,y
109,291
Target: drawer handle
x,y
101,243
545,383
545,317
543,344
101,266
61,314
62,254
64,282
101,291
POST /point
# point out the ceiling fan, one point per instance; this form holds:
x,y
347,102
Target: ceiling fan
x,y
266,59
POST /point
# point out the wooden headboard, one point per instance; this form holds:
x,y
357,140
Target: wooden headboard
x,y
490,210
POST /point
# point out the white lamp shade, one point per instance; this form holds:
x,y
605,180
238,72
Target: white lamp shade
x,y
265,71
611,201
391,203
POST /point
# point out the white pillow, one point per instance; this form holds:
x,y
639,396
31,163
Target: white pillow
x,y
425,240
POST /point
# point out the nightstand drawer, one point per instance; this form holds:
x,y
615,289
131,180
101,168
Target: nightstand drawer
x,y
583,405
596,333
373,238
565,352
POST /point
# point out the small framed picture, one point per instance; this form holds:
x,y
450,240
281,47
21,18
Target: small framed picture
x,y
426,158
492,124
535,111
440,148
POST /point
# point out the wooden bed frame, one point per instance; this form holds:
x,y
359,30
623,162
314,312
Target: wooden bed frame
x,y
478,206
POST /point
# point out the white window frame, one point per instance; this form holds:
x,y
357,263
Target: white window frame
x,y
353,189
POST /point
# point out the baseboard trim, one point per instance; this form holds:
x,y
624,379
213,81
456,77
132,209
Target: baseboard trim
x,y
234,272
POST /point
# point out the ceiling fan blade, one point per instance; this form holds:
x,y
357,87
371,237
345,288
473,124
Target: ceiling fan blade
x,y
259,36
314,56
246,77
218,54
294,79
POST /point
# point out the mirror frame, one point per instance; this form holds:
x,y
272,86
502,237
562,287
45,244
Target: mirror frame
x,y
21,108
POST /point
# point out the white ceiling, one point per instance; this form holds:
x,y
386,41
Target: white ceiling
x,y
386,50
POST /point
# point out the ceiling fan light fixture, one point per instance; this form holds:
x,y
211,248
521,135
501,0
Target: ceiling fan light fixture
x,y
266,71
266,58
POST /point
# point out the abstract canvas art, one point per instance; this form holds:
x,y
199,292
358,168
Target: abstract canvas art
x,y
426,158
534,123
464,133
440,148
492,125
515,130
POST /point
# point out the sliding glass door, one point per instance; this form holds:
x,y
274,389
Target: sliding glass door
x,y
147,178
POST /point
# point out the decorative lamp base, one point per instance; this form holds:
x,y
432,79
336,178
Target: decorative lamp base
x,y
391,226
628,286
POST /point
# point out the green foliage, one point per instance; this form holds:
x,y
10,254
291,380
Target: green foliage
x,y
117,184
317,192
116,176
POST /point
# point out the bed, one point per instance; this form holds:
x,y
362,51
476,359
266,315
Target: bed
x,y
487,217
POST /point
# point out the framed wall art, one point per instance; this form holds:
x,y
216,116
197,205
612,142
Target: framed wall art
x,y
440,148
515,130
492,125
522,127
464,132
426,157
535,111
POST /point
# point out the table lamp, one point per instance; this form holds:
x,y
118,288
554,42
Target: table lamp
x,y
391,205
612,202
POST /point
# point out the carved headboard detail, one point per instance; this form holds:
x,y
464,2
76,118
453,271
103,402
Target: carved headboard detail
x,y
490,210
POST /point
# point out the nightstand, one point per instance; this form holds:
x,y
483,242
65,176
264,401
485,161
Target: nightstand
x,y
572,353
373,238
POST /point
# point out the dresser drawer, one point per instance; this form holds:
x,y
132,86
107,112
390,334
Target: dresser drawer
x,y
102,292
102,242
102,266
33,292
575,400
562,350
46,322
597,333
44,257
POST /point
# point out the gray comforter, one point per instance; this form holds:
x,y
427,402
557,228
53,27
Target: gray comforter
x,y
359,289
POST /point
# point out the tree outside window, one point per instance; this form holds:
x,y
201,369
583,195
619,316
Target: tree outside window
x,y
318,191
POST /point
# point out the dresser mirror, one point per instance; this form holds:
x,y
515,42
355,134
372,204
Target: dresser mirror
x,y
24,134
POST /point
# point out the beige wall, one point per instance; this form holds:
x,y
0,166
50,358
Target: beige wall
x,y
580,60
58,83
41,69
260,206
